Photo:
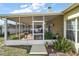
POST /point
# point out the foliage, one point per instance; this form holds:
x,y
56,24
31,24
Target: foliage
x,y
13,37
46,44
63,45
48,35
1,35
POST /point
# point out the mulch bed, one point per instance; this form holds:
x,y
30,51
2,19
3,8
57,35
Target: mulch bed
x,y
52,52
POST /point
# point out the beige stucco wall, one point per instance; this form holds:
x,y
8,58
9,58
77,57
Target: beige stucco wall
x,y
72,13
58,25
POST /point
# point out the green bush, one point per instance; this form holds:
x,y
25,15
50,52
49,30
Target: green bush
x,y
63,45
1,35
48,35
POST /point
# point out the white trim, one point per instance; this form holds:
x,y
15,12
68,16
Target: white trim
x,y
73,15
76,30
33,27
65,28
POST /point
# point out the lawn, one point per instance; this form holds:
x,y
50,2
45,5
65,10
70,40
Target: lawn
x,y
13,50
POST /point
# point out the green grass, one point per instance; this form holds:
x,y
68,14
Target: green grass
x,y
13,37
15,50
1,40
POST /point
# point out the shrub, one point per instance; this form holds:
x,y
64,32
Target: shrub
x,y
46,44
63,45
48,35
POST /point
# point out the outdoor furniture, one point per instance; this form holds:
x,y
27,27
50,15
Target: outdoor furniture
x,y
27,37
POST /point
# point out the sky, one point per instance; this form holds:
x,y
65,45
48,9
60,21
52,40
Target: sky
x,y
13,8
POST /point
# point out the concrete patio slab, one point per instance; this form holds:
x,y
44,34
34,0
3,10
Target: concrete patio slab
x,y
38,49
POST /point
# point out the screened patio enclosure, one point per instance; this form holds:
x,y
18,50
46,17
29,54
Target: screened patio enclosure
x,y
27,29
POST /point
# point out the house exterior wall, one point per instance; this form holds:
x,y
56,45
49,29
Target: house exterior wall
x,y
72,14
57,23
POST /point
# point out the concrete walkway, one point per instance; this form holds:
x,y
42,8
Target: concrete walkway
x,y
38,49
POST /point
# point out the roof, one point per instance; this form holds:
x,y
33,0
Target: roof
x,y
71,7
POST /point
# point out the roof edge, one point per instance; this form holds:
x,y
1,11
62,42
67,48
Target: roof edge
x,y
32,14
71,7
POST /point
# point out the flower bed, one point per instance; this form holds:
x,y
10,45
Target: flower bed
x,y
52,52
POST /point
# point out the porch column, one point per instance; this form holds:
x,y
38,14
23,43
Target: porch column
x,y
43,26
19,28
33,27
16,29
76,31
5,29
64,28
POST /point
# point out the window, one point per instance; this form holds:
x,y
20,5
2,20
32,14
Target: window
x,y
70,35
70,29
70,24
